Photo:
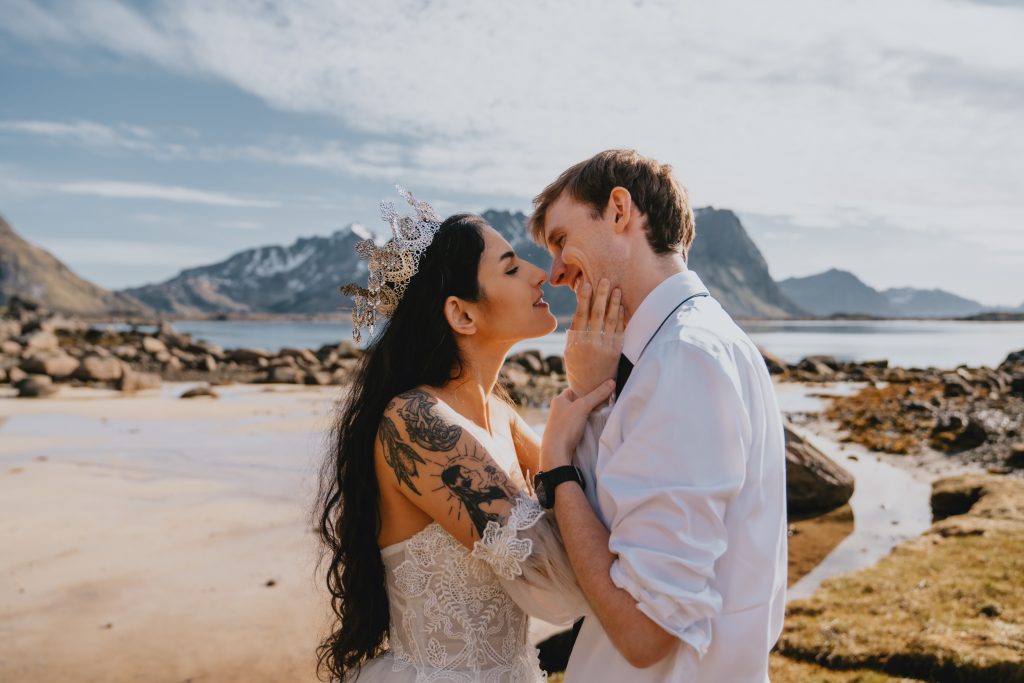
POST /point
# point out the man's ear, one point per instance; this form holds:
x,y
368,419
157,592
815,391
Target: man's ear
x,y
620,203
458,315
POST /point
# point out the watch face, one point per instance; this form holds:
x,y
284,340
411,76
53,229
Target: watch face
x,y
542,492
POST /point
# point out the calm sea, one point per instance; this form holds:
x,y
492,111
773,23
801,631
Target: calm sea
x,y
943,344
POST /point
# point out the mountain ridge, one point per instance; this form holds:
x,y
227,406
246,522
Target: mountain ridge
x,y
30,272
840,292
303,277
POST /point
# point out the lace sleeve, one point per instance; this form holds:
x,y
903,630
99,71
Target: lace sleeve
x,y
528,557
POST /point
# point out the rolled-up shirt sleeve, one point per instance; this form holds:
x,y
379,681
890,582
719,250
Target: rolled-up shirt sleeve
x,y
682,458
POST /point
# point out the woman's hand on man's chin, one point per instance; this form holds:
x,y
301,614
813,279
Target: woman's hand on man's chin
x,y
594,340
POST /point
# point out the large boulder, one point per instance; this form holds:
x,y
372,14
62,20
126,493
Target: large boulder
x,y
285,374
132,381
41,341
776,365
54,364
36,386
96,368
815,483
153,346
9,329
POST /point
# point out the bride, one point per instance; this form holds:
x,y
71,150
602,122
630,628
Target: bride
x,y
437,548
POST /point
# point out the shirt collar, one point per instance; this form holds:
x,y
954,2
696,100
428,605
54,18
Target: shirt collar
x,y
651,312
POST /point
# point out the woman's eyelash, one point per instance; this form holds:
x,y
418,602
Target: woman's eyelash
x,y
513,271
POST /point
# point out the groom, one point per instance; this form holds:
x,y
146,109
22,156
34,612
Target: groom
x,y
676,523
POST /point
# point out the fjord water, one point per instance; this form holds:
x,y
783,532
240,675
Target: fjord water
x,y
906,343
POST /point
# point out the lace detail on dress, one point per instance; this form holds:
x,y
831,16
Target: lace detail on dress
x,y
501,547
451,618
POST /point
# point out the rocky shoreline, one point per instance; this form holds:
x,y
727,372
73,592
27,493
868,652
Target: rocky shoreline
x,y
975,415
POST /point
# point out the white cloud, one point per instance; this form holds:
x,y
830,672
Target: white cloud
x,y
829,112
170,193
798,107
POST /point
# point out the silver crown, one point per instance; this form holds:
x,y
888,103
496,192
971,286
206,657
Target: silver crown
x,y
393,265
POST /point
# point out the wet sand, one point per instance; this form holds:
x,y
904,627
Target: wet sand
x,y
157,539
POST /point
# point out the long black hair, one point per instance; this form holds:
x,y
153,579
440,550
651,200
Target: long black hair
x,y
417,347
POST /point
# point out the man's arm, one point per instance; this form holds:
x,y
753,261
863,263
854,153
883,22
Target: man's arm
x,y
641,641
682,458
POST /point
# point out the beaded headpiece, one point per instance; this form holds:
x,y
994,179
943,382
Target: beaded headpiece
x,y
392,265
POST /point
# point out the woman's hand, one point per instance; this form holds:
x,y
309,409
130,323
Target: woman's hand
x,y
594,340
564,429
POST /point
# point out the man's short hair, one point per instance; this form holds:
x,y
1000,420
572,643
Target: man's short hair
x,y
655,191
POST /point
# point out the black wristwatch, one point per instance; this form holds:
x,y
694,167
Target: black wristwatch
x,y
544,483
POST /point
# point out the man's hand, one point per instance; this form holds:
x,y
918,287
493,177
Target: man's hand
x,y
594,340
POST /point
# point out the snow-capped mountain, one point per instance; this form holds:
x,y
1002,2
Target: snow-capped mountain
x,y
304,277
300,278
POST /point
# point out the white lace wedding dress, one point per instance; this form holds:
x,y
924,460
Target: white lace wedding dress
x,y
461,615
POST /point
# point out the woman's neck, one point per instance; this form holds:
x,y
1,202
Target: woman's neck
x,y
470,392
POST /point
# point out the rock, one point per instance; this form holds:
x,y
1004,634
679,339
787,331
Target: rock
x,y
9,347
956,432
200,392
55,364
814,483
318,377
340,376
348,349
36,386
1013,360
305,355
10,329
776,365
125,352
41,341
1017,385
530,361
814,366
132,381
203,347
285,374
955,385
207,363
555,364
153,346
248,356
95,368
172,366
3,375
1016,457
15,375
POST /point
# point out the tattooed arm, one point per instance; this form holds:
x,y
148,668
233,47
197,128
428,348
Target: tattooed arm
x,y
449,475
442,468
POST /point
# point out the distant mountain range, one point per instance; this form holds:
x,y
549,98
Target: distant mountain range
x,y
837,292
34,273
304,277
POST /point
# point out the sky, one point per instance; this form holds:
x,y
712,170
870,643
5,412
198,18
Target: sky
x,y
884,138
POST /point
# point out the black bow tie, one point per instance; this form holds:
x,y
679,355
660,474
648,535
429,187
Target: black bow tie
x,y
622,374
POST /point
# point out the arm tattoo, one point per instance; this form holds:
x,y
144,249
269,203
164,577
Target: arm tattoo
x,y
474,483
401,457
424,426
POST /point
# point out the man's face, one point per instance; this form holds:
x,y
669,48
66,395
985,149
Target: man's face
x,y
580,244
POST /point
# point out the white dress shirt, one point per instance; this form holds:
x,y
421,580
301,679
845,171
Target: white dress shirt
x,y
687,471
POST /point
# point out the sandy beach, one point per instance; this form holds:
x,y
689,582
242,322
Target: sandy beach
x,y
152,538
160,539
